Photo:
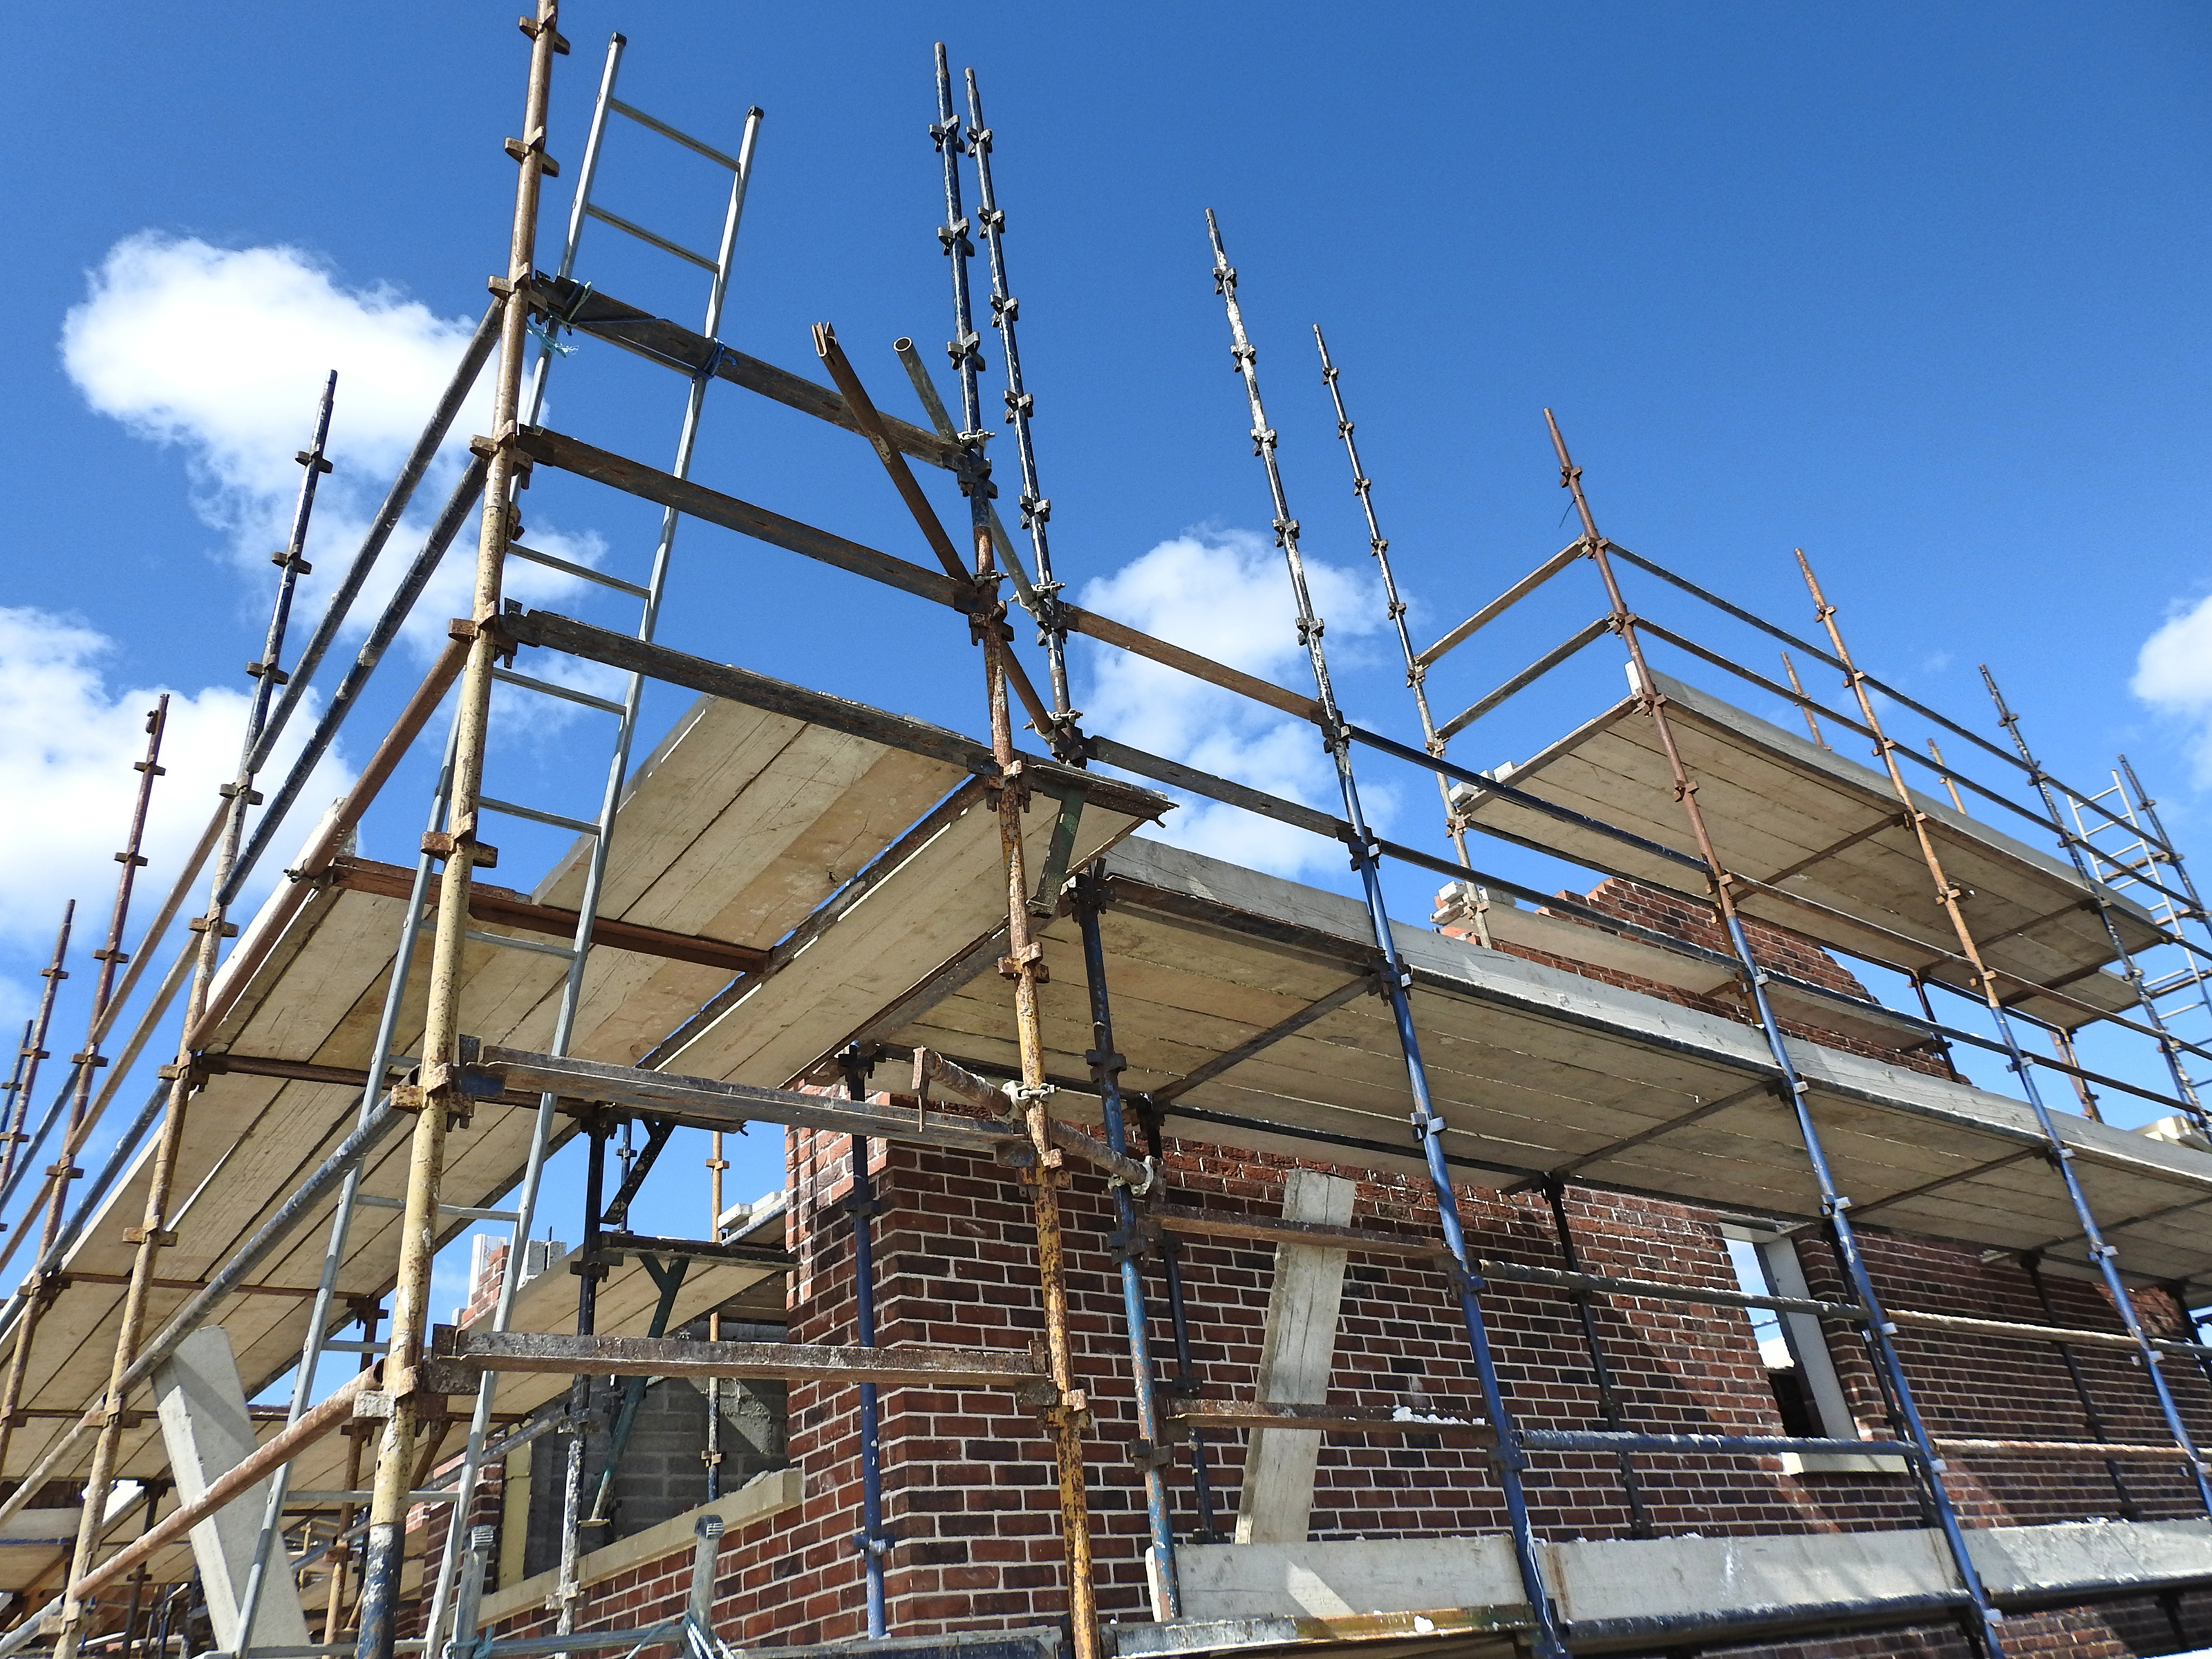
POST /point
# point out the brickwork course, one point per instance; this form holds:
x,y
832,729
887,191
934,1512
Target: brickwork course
x,y
969,1493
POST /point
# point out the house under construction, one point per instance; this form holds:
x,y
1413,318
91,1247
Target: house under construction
x,y
1172,1259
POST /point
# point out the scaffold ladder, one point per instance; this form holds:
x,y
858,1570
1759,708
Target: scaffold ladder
x,y
599,830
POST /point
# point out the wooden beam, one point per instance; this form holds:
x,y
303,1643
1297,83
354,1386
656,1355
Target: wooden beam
x,y
1105,628
578,639
1196,1221
590,311
922,1363
702,1104
568,455
503,907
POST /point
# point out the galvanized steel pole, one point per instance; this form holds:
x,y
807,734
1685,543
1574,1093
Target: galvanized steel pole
x,y
1429,1126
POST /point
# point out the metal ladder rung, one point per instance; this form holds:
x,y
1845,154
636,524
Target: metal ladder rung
x,y
547,687
644,235
635,589
537,946
581,826
667,131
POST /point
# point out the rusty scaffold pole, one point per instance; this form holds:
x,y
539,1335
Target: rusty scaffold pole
x,y
34,1038
437,1095
1067,1416
183,1077
1508,1457
1951,896
47,1284
1981,1618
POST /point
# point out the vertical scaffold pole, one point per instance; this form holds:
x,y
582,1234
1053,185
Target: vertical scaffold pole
x,y
1036,510
1981,1625
2182,1084
1152,1450
1397,982
1379,546
1948,895
437,1095
153,1233
35,1035
872,1541
44,1281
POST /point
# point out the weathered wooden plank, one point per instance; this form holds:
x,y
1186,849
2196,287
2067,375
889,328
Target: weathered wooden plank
x,y
568,455
922,1363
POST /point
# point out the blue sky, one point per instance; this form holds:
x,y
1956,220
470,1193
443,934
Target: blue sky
x,y
1920,290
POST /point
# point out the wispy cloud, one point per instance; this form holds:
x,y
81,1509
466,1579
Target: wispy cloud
x,y
2173,674
220,354
1224,593
68,740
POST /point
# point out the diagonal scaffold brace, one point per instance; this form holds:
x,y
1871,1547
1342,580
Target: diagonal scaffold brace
x,y
1507,1455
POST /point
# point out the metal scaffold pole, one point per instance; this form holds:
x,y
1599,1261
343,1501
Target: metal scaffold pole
x,y
45,1284
438,1095
1379,546
152,1232
34,1036
1005,309
1507,1456
1154,1452
1835,1206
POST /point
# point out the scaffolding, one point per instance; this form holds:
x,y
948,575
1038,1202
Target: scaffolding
x,y
1010,854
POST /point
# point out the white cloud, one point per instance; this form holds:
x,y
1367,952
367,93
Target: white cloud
x,y
67,743
221,353
2174,673
1226,594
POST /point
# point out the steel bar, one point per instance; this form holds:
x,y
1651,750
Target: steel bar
x,y
872,1541
1036,510
934,405
1981,1628
1948,894
848,382
1378,545
1106,1067
1313,1013
679,137
1508,1458
1608,1397
1252,1415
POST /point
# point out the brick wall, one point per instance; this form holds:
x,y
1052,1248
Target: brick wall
x,y
970,1491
